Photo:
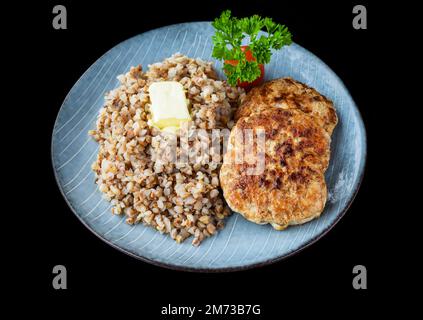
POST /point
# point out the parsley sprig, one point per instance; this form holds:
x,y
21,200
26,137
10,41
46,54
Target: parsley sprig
x,y
227,41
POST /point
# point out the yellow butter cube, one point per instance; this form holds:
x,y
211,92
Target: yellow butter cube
x,y
169,105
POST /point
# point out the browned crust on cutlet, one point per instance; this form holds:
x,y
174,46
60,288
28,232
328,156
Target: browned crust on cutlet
x,y
292,188
287,93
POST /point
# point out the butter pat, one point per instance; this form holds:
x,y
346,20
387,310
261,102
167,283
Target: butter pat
x,y
168,104
172,130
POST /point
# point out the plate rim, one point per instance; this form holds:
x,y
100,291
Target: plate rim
x,y
362,171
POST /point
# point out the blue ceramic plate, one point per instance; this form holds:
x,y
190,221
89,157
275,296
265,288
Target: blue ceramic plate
x,y
241,244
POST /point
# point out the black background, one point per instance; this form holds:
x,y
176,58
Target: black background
x,y
321,273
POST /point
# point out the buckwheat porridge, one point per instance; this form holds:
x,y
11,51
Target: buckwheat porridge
x,y
139,167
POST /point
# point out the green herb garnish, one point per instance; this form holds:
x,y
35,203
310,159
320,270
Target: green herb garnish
x,y
227,41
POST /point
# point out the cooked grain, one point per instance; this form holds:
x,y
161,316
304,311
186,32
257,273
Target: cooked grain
x,y
180,199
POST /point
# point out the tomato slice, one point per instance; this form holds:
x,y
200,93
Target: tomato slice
x,y
249,55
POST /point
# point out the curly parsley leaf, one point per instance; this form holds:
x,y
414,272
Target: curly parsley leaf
x,y
231,31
